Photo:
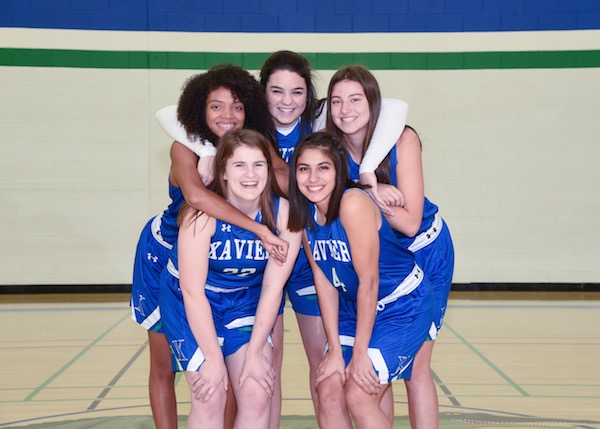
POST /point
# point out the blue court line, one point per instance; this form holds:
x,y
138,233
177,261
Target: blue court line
x,y
72,361
487,361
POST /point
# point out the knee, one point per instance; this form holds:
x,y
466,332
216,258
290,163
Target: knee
x,y
252,400
329,392
355,398
211,410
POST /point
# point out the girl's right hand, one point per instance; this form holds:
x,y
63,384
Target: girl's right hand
x,y
211,376
206,169
384,195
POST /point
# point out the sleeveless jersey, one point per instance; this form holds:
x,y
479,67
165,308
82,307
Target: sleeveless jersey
x,y
287,143
168,229
151,256
331,251
237,258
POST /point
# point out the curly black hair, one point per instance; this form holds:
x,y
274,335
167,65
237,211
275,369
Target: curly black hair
x,y
191,109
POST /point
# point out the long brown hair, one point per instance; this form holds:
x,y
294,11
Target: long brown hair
x,y
225,148
299,205
364,78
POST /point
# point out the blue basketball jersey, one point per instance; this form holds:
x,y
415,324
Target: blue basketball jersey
x,y
331,251
236,258
404,302
287,142
168,228
152,253
237,263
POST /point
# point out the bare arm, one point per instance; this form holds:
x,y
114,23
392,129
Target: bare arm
x,y
282,170
194,243
184,174
409,173
333,361
361,220
271,294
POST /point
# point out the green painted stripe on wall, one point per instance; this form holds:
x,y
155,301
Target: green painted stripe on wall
x,y
321,61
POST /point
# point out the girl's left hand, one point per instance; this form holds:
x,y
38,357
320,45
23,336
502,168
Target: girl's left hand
x,y
362,373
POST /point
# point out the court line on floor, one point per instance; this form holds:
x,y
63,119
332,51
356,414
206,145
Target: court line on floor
x,y
579,424
117,377
50,379
487,361
445,389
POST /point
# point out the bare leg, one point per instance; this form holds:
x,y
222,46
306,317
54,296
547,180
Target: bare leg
x,y
253,402
277,364
230,409
161,382
387,404
314,340
206,414
364,408
423,407
333,413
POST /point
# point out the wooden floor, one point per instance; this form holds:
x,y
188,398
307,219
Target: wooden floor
x,y
502,361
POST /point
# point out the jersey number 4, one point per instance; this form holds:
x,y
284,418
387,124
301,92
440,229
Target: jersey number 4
x,y
337,282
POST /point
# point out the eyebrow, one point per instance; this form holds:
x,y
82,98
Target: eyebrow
x,y
293,89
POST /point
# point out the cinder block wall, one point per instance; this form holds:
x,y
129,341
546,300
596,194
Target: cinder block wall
x,y
505,94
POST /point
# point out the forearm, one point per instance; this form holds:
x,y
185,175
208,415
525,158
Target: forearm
x,y
404,221
199,316
266,314
328,298
281,170
366,311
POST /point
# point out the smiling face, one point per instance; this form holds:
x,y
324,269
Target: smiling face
x,y
350,110
246,173
224,112
286,94
316,177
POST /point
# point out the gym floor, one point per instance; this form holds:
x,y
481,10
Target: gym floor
x,y
503,360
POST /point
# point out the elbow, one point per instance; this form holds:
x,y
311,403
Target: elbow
x,y
196,200
413,229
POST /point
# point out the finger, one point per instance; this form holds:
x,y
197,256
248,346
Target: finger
x,y
197,385
208,395
271,384
377,198
201,393
276,254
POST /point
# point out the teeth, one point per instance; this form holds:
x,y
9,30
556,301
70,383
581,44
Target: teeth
x,y
348,119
